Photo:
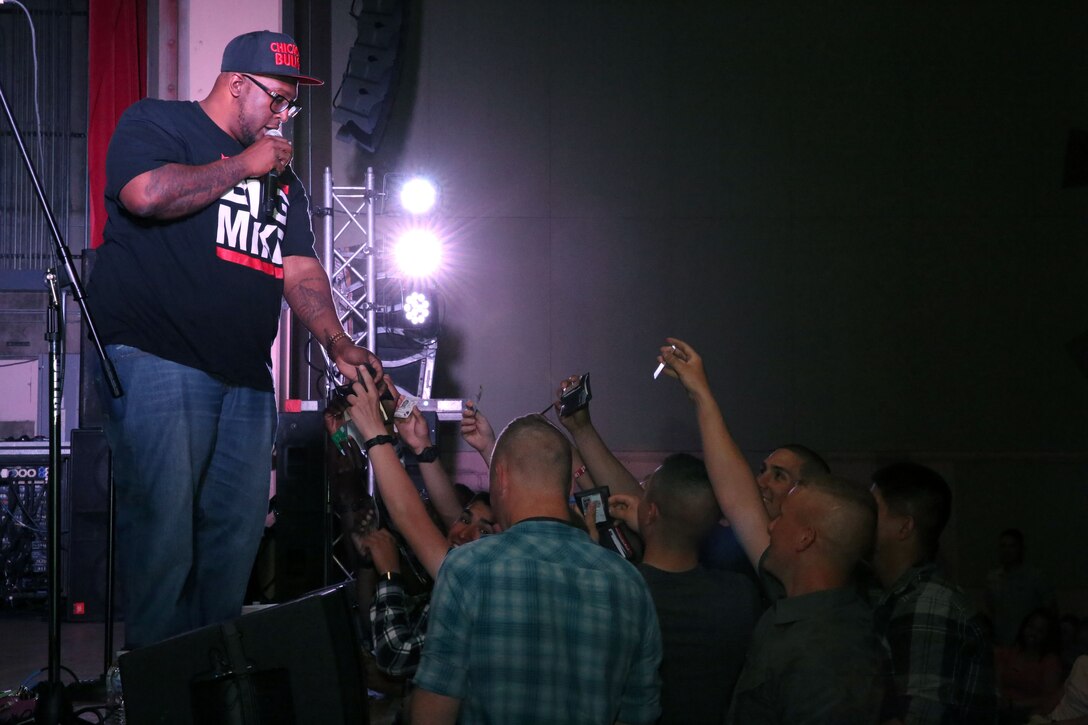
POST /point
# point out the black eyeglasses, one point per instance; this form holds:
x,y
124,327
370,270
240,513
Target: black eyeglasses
x,y
279,103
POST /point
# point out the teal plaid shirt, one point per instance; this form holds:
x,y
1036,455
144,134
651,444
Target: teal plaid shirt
x,y
540,625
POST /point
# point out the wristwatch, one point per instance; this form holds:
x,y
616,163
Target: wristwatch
x,y
428,455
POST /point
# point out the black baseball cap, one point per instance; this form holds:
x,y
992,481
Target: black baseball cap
x,y
266,53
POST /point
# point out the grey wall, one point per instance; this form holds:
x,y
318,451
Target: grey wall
x,y
853,210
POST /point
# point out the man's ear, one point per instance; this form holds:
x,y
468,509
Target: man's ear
x,y
906,527
652,512
235,81
806,537
500,477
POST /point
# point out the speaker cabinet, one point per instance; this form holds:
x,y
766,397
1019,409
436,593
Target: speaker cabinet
x,y
288,664
89,525
299,539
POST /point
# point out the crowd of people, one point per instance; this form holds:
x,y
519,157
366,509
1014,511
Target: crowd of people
x,y
787,595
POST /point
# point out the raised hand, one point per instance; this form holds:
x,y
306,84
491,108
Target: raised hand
x,y
413,430
267,153
732,479
577,420
683,363
476,430
382,548
365,410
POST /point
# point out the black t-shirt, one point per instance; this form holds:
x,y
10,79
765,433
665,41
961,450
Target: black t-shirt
x,y
204,290
706,619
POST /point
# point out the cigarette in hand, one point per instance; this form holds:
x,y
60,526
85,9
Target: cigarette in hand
x,y
661,367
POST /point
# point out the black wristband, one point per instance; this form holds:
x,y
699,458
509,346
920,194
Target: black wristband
x,y
428,455
377,441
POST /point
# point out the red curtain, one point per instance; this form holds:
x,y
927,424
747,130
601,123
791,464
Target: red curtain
x,y
117,78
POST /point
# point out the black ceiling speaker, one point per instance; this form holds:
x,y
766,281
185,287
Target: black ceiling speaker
x,y
365,97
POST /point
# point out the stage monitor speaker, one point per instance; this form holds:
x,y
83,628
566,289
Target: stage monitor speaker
x,y
294,663
88,547
300,535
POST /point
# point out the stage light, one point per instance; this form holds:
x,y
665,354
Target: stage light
x,y
418,195
411,194
417,308
418,253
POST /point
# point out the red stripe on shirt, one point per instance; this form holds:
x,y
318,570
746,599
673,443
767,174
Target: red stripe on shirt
x,y
252,262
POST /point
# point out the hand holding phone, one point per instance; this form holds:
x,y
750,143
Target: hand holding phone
x,y
599,496
575,397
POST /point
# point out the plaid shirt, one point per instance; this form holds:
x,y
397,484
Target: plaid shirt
x,y
540,625
942,658
397,629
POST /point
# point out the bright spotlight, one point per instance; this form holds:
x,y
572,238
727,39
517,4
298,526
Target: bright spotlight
x,y
418,253
417,308
418,195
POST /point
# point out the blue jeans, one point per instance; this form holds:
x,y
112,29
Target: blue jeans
x,y
192,460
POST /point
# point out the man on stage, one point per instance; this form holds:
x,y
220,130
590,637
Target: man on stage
x,y
208,230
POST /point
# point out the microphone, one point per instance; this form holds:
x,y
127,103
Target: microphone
x,y
271,185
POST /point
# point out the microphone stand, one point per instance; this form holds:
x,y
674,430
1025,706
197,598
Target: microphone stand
x,y
54,704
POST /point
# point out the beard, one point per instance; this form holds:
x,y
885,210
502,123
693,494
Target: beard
x,y
251,130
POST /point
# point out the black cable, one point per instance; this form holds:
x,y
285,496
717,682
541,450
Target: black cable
x,y
320,370
101,712
43,669
20,362
31,522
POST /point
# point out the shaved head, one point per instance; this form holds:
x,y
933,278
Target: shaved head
x,y
812,463
843,513
682,492
911,489
534,453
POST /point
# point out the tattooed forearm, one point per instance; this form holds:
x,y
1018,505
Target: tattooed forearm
x,y
306,288
175,190
309,299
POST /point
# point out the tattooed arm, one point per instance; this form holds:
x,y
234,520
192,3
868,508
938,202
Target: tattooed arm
x,y
176,190
306,288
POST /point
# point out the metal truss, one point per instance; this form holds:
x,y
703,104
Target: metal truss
x,y
349,224
351,268
350,256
